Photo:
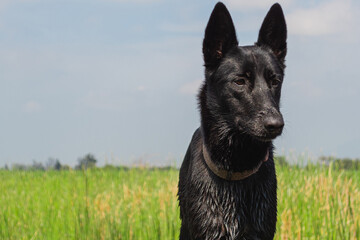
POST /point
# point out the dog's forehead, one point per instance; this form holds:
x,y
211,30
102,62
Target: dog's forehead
x,y
253,57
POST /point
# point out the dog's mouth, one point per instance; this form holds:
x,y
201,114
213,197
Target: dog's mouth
x,y
265,138
264,135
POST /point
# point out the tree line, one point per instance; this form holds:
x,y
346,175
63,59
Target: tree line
x,y
335,163
85,162
89,161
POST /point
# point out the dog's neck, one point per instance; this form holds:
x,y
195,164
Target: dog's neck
x,y
228,148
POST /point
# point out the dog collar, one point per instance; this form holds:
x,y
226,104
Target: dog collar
x,y
229,175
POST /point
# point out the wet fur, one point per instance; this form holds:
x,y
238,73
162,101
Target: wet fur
x,y
232,129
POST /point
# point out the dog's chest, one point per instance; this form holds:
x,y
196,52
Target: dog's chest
x,y
238,209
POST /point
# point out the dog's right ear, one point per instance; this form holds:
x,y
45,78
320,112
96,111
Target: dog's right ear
x,y
220,36
273,32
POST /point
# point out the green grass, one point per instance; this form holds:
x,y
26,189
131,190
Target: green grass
x,y
316,203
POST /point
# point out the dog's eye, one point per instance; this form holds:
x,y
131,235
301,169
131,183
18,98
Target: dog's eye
x,y
275,81
240,81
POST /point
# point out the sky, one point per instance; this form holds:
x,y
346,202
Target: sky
x,y
119,78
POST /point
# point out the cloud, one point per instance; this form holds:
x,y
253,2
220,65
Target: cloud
x,y
141,88
191,88
31,107
327,18
320,18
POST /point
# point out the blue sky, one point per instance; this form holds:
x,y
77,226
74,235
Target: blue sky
x,y
119,78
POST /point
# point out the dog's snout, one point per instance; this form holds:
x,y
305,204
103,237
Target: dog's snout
x,y
274,124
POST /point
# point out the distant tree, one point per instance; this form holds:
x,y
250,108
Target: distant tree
x,y
109,167
88,161
6,167
19,167
53,164
57,166
341,163
347,164
37,166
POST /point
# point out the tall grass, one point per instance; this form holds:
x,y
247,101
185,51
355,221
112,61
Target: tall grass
x,y
111,204
317,203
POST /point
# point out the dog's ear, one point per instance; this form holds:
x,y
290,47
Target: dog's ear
x,y
220,36
273,32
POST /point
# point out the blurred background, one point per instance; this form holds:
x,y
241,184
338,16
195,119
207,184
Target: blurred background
x,y
119,78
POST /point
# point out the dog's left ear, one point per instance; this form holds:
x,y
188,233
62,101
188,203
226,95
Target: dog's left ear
x,y
273,32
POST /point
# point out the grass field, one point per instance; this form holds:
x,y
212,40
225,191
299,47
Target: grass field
x,y
316,203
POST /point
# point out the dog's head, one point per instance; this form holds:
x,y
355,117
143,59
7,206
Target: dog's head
x,y
243,84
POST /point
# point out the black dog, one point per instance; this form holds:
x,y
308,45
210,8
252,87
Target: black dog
x,y
227,186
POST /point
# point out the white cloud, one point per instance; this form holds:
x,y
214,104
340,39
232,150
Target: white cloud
x,y
327,18
31,107
321,18
191,88
141,88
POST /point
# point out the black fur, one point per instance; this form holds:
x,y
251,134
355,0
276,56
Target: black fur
x,y
240,116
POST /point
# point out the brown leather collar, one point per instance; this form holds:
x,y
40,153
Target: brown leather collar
x,y
229,175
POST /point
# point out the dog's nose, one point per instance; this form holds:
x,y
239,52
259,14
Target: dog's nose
x,y
274,124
